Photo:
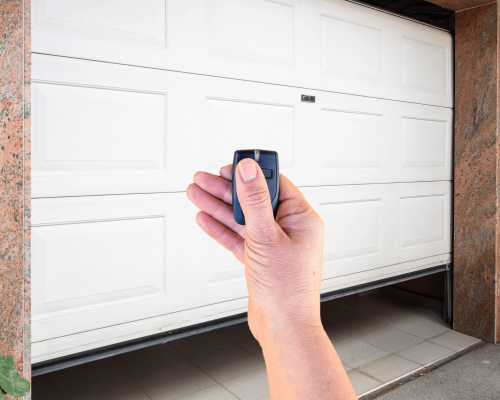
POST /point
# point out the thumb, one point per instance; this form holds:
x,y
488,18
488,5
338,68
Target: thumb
x,y
254,198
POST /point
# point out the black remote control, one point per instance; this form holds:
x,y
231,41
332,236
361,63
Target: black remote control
x,y
268,162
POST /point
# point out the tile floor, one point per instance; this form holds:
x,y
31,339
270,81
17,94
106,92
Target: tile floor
x,y
378,339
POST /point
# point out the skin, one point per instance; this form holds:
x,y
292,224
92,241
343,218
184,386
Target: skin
x,y
283,267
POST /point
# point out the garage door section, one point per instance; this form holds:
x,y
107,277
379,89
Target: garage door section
x,y
116,250
101,129
318,44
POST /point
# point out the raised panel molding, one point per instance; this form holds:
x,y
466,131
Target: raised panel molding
x,y
350,139
424,67
352,229
424,143
132,22
350,50
78,128
254,32
239,124
90,263
422,220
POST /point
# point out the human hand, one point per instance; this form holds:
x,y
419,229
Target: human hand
x,y
282,257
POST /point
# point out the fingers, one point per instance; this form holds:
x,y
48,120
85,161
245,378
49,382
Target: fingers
x,y
254,198
214,207
215,185
222,234
227,172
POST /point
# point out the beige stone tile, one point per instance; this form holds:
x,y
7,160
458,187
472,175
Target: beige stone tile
x,y
454,340
43,388
336,334
388,338
429,313
266,398
228,363
389,368
251,386
253,347
353,322
202,343
425,353
148,358
355,353
216,392
418,326
85,376
362,383
238,333
172,381
122,389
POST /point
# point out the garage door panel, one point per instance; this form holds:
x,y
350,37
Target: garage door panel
x,y
371,226
108,129
106,260
321,44
97,129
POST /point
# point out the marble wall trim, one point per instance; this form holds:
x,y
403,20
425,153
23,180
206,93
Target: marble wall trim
x,y
461,5
15,174
476,215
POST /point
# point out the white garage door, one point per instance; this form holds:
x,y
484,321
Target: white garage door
x,y
131,97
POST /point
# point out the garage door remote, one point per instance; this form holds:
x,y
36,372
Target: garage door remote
x,y
268,162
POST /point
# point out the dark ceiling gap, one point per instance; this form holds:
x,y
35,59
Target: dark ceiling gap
x,y
420,10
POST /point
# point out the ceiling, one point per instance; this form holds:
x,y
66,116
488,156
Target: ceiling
x,y
420,10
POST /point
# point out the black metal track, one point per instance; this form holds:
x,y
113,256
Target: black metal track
x,y
56,364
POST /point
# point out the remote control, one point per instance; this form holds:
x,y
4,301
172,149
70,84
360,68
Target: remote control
x,y
268,162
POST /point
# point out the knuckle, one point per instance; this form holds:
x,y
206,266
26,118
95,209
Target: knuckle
x,y
257,197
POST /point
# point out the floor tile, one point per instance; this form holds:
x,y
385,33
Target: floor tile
x,y
195,345
388,338
425,353
266,398
86,376
362,383
355,353
251,386
228,363
454,340
336,334
122,389
253,347
238,333
216,392
418,326
148,358
431,314
389,368
352,323
43,388
173,381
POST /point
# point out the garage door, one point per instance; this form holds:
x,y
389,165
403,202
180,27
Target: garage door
x,y
131,97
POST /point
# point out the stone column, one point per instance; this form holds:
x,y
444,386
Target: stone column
x,y
15,176
476,258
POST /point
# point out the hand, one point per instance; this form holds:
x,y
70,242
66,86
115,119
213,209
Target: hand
x,y
283,258
283,265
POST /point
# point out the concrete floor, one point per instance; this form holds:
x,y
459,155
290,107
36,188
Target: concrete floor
x,y
475,376
378,339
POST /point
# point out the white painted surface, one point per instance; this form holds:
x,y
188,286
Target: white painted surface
x,y
107,129
330,45
116,251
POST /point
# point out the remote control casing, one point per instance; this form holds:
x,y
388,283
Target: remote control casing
x,y
268,161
